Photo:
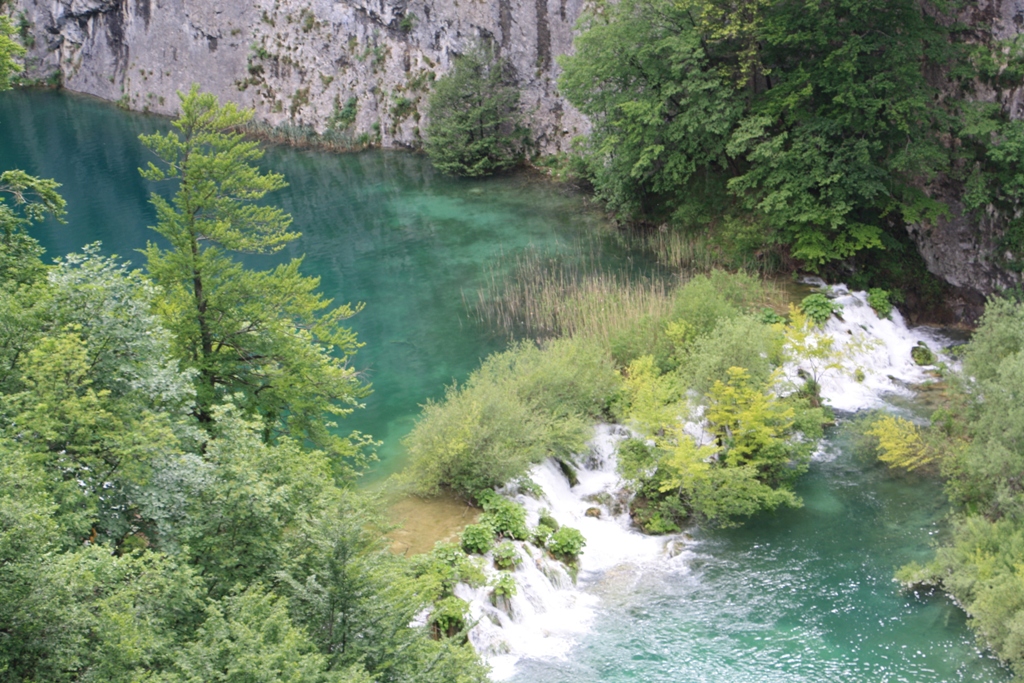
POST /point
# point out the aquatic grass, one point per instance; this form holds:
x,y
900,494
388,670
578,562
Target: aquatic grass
x,y
546,298
306,137
690,252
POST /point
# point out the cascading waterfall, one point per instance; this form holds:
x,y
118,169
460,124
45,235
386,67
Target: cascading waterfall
x,y
551,612
880,348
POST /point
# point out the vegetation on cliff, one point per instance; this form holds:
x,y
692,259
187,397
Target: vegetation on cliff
x,y
475,127
796,132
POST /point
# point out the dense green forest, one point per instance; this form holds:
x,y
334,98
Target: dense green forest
x,y
776,133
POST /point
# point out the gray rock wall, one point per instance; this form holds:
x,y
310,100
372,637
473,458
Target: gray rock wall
x,y
961,247
300,62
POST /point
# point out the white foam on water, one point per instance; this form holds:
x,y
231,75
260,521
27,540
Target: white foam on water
x,y
878,347
550,613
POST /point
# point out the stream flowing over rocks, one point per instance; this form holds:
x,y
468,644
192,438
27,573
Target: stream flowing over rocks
x,y
551,614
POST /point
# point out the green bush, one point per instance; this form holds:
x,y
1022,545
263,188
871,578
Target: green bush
x,y
506,556
444,567
505,586
480,437
567,543
448,618
520,406
922,355
819,308
769,317
547,520
879,300
507,518
541,535
741,342
564,377
478,538
475,125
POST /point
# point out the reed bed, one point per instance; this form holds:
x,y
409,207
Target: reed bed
x,y
307,137
700,253
547,298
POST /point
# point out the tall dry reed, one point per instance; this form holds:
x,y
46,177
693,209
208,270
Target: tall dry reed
x,y
545,298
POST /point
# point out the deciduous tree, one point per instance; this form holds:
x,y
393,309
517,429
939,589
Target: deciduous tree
x,y
267,339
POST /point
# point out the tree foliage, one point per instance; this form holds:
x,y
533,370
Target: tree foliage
x,y
266,339
155,526
475,126
978,442
813,123
9,52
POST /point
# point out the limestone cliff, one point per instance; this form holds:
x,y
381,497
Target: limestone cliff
x,y
962,248
361,68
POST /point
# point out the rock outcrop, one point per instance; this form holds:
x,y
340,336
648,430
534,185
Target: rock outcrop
x,y
359,68
962,248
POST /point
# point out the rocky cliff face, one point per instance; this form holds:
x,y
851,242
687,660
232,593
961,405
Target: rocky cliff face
x,y
359,68
962,248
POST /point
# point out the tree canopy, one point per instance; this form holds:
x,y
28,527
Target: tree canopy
x,y
813,122
265,339
475,126
170,515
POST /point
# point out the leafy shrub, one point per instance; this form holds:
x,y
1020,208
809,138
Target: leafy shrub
x,y
878,299
922,355
505,586
444,567
659,514
506,556
769,317
547,520
735,342
564,377
635,459
475,125
541,535
567,543
480,437
478,538
507,518
448,617
520,406
819,308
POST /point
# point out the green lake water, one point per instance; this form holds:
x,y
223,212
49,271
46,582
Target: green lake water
x,y
378,228
801,596
804,595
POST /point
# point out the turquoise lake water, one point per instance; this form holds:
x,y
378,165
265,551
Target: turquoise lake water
x,y
378,228
804,595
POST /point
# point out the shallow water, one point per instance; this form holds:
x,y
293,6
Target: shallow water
x,y
801,595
